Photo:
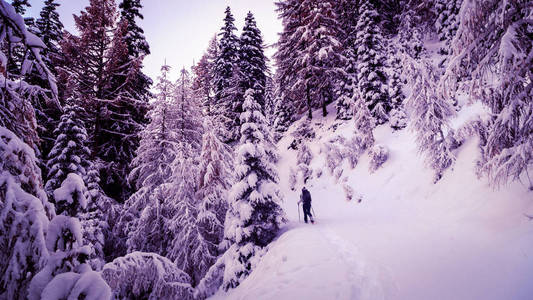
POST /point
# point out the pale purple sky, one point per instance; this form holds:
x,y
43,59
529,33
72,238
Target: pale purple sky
x,y
180,30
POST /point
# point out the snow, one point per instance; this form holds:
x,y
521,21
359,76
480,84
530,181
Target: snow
x,y
401,236
71,186
56,231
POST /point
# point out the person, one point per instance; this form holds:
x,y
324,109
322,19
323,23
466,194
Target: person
x,y
305,198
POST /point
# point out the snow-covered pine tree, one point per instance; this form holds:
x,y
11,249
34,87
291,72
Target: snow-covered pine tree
x,y
188,116
144,221
20,6
312,35
493,47
447,19
24,216
270,101
254,216
202,84
347,12
67,273
51,32
225,77
214,181
252,62
140,275
429,114
137,45
191,252
398,118
283,116
289,11
24,207
70,153
126,114
364,123
16,110
371,77
100,69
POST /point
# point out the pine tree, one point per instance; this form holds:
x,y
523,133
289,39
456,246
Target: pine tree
x,y
447,19
291,14
252,61
202,84
225,77
371,77
69,153
254,215
51,32
430,115
20,6
270,101
284,114
214,181
145,221
126,116
67,273
130,11
364,124
105,69
317,51
24,216
492,48
190,250
188,116
347,12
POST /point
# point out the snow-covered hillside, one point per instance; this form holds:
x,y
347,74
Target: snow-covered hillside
x,y
407,238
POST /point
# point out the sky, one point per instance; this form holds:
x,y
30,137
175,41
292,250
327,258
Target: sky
x,y
180,30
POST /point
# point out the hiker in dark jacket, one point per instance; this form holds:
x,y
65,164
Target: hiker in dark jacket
x,y
305,198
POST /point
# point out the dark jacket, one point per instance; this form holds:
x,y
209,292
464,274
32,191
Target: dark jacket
x,y
306,197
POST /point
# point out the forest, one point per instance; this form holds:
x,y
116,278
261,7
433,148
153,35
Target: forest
x,y
115,185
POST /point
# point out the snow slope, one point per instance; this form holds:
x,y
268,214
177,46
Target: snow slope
x,y
407,239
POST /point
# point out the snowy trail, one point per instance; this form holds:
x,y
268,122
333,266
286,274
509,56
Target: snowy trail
x,y
408,238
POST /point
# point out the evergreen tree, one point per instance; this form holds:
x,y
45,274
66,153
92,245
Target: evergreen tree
x,y
20,6
504,29
126,116
347,12
270,101
214,181
24,216
69,153
371,77
254,215
190,250
447,19
187,120
224,76
252,62
67,273
202,84
318,52
102,70
51,32
284,116
364,124
130,12
430,115
151,168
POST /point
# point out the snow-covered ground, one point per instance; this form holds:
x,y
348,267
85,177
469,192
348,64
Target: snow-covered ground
x,y
406,239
